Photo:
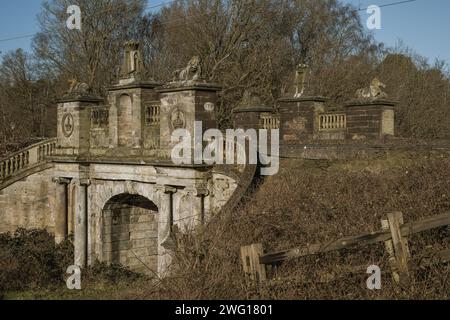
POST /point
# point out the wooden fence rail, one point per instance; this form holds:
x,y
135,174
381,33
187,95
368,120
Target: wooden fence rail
x,y
394,234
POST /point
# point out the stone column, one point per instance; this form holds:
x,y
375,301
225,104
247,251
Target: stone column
x,y
81,223
200,192
165,229
61,215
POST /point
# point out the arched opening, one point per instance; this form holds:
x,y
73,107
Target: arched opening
x,y
130,233
125,121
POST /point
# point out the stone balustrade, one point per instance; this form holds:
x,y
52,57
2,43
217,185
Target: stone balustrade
x,y
332,121
270,122
26,158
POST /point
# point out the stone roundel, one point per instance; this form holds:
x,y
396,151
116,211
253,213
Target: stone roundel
x,y
67,124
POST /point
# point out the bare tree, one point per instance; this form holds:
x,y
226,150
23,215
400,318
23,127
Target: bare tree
x,y
92,54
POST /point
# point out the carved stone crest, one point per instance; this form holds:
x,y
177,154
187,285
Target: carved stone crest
x,y
177,119
67,125
209,106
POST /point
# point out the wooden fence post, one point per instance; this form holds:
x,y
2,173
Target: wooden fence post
x,y
400,245
250,260
390,251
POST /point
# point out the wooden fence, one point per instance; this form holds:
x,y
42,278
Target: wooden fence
x,y
394,233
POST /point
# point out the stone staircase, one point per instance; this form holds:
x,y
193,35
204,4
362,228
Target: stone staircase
x,y
25,162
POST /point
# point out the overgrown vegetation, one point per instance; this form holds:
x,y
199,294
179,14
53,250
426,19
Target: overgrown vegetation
x,y
308,202
315,202
33,266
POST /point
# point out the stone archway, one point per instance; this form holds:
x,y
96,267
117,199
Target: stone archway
x,y
130,232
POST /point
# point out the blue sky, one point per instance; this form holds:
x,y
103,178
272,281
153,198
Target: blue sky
x,y
423,25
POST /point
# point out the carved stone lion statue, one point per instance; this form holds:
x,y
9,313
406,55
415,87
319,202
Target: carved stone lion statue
x,y
78,88
373,92
193,71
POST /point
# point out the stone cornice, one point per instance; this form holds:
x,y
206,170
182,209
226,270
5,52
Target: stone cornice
x,y
304,99
134,85
376,102
199,86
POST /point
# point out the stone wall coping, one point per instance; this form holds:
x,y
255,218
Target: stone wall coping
x,y
244,109
80,99
377,102
199,86
305,99
135,162
134,85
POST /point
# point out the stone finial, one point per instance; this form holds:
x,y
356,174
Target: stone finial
x,y
192,73
301,74
373,92
132,65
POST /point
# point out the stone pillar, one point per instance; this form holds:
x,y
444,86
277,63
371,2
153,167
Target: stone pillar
x,y
190,107
61,214
81,223
74,125
299,119
165,229
370,119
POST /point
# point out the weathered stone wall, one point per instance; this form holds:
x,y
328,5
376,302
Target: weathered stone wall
x,y
74,124
126,117
299,119
181,107
130,237
370,120
29,203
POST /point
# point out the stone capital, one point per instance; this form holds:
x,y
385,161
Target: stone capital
x,y
198,191
58,180
166,189
84,182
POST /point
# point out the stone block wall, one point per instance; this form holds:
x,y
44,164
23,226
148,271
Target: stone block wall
x,y
182,107
130,237
299,121
373,119
74,125
29,203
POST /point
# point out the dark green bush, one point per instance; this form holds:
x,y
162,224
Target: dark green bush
x,y
30,258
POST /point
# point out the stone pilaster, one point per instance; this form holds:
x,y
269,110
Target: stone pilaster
x,y
61,214
199,193
165,228
81,222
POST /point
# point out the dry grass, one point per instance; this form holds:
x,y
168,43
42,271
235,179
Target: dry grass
x,y
308,202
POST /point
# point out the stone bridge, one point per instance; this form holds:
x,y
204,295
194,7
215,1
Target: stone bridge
x,y
108,180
